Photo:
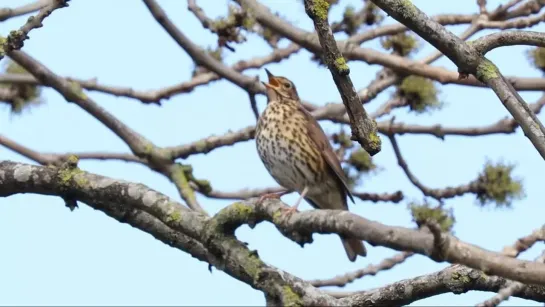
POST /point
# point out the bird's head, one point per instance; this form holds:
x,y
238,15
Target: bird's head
x,y
280,86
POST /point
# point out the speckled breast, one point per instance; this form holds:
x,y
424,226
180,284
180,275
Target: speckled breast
x,y
284,147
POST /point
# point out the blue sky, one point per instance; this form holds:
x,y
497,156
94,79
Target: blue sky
x,y
52,256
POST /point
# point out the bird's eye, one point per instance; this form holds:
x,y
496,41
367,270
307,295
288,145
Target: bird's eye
x,y
287,85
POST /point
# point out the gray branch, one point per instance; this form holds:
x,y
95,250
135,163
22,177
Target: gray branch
x,y
469,61
364,128
455,279
508,38
212,239
299,227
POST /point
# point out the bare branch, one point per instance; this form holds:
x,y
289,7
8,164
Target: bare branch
x,y
7,13
199,13
53,158
300,226
511,288
456,279
438,194
508,38
525,243
395,197
210,143
25,178
167,221
446,19
364,128
72,93
242,194
203,146
251,85
469,60
139,145
482,6
343,280
24,151
155,96
15,39
519,23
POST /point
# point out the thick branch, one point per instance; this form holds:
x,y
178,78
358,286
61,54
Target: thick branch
x,y
364,128
141,206
300,226
148,210
469,61
456,279
156,157
510,288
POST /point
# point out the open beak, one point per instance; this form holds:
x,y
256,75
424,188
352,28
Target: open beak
x,y
273,82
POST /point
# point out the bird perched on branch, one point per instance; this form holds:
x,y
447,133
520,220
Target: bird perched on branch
x,y
298,155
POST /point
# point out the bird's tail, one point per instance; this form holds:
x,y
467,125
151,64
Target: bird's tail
x,y
353,248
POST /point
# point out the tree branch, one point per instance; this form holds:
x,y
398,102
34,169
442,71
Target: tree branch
x,y
157,95
456,279
251,85
343,280
508,38
204,238
364,128
300,226
438,194
7,13
469,61
15,39
510,288
524,243
127,201
156,157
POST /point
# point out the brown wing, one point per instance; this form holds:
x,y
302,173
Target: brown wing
x,y
317,134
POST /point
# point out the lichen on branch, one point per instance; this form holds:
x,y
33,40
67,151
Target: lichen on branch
x,y
497,185
19,96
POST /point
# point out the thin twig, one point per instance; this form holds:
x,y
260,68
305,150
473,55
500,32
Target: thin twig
x,y
524,243
439,194
15,39
249,84
370,270
7,13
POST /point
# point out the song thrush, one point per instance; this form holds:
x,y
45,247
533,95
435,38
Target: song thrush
x,y
298,155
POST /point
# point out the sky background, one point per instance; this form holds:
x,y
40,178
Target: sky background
x,y
51,256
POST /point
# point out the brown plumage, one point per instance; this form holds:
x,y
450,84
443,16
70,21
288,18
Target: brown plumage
x,y
298,155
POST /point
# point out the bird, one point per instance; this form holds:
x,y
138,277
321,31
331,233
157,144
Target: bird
x,y
297,154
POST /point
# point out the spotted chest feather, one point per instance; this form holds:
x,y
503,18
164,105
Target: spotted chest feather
x,y
285,148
